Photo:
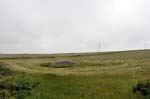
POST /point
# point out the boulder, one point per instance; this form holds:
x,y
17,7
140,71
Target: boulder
x,y
66,63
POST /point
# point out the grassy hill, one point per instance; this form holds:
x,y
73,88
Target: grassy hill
x,y
106,75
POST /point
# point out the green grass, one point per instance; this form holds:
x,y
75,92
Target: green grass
x,y
108,75
87,87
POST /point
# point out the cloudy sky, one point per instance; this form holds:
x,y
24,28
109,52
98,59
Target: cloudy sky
x,y
55,26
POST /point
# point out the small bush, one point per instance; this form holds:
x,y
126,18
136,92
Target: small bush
x,y
17,87
142,89
3,70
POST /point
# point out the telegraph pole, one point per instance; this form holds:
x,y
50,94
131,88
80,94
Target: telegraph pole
x,y
99,46
145,46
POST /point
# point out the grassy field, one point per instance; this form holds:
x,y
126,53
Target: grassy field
x,y
107,75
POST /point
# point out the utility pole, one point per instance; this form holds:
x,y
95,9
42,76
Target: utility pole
x,y
145,46
99,46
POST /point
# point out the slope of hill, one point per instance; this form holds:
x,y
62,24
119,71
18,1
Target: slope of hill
x,y
107,75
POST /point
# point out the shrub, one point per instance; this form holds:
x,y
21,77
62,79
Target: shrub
x,y
142,89
17,87
3,70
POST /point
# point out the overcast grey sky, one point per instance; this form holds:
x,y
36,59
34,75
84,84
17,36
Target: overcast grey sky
x,y
53,26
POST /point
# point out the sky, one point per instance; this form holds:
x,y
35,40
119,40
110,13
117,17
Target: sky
x,y
64,26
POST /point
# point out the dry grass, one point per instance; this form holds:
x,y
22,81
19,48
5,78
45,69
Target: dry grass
x,y
117,62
